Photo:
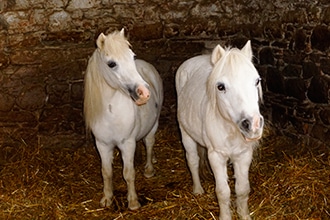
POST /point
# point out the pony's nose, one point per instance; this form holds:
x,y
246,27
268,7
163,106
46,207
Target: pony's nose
x,y
252,124
141,94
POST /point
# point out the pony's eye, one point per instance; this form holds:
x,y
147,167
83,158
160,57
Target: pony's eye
x,y
112,64
221,87
258,81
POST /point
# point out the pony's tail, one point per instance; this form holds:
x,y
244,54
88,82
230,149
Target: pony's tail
x,y
205,170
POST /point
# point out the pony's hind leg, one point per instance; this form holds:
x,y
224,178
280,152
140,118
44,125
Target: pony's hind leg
x,y
193,161
149,142
242,185
106,154
127,152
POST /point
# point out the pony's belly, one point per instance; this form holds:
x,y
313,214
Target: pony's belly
x,y
192,126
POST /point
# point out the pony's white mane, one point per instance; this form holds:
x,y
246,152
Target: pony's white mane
x,y
114,44
232,58
94,83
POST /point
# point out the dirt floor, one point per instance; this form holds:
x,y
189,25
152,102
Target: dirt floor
x,y
289,180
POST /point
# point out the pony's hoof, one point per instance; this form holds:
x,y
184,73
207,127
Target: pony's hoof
x,y
245,217
198,191
134,205
149,172
105,202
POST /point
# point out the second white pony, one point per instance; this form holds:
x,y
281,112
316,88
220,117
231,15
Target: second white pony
x,y
218,107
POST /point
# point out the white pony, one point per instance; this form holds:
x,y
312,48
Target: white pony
x,y
122,104
218,108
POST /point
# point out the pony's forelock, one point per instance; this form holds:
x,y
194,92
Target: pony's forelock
x,y
117,44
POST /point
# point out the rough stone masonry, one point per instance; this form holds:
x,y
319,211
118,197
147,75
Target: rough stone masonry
x,y
45,45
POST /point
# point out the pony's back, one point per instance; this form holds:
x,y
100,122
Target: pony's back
x,y
196,67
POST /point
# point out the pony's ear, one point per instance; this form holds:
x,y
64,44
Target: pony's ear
x,y
122,32
247,50
217,53
100,41
261,100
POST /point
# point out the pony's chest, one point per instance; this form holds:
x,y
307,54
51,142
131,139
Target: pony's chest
x,y
120,112
223,137
117,108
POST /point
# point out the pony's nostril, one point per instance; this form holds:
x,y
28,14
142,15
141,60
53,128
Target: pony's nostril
x,y
139,92
143,92
246,124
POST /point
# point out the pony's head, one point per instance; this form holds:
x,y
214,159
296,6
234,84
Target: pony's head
x,y
116,62
234,89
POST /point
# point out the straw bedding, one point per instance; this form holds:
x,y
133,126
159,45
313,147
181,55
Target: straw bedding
x,y
289,180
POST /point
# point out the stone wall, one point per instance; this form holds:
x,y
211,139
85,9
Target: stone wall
x,y
45,45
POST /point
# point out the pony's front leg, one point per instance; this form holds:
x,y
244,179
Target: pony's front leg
x,y
193,161
219,167
127,152
242,185
106,154
149,142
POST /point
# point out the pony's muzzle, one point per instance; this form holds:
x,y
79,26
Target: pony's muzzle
x,y
251,128
140,94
